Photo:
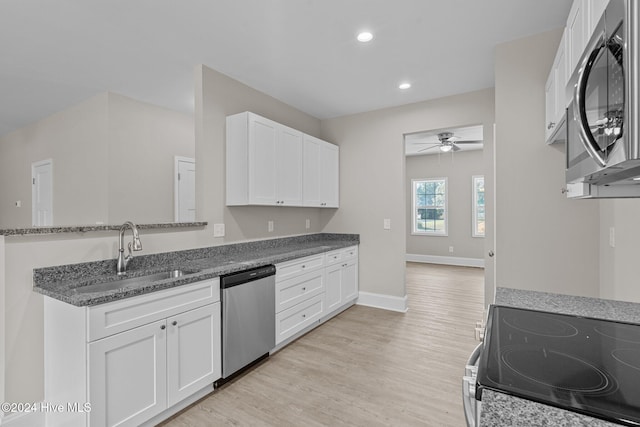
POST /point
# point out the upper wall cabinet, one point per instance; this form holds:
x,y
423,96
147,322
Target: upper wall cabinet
x,y
321,173
577,32
555,97
266,163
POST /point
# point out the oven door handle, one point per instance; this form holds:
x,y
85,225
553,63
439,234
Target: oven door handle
x,y
580,109
469,387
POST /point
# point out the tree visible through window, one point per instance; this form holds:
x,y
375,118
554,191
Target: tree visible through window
x,y
430,206
478,206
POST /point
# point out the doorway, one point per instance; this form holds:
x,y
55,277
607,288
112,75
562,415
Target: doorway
x,y
185,189
42,193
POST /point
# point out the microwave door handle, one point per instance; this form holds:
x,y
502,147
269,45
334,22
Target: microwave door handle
x,y
580,109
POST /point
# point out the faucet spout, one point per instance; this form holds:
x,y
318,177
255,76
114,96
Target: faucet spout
x,y
135,245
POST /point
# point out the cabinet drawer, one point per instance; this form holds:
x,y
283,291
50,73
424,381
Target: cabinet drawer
x,y
118,316
333,257
297,289
298,317
299,266
349,253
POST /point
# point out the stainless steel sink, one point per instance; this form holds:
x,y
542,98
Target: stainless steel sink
x,y
132,282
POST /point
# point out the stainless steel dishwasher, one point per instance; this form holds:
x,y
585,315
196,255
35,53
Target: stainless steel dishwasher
x,y
248,318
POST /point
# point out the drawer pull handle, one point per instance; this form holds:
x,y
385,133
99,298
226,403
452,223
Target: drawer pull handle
x,y
303,266
304,289
162,327
304,315
174,323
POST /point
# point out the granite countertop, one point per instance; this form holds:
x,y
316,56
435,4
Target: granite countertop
x,y
499,409
86,228
62,282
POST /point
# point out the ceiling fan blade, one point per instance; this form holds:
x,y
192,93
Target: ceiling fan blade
x,y
469,142
452,139
454,147
428,148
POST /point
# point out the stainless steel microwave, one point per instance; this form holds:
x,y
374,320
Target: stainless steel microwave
x,y
603,118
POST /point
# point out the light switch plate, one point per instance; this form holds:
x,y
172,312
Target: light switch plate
x,y
218,230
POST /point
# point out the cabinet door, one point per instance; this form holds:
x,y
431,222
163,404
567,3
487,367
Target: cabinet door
x,y
263,134
127,374
329,175
576,33
193,351
289,167
550,103
333,287
311,170
596,9
349,281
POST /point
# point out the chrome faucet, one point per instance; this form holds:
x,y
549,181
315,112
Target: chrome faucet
x,y
123,260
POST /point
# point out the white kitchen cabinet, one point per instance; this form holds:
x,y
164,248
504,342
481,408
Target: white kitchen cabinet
x,y
264,162
341,285
133,359
555,90
596,9
577,32
127,374
299,295
321,166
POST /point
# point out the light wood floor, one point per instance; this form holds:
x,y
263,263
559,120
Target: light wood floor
x,y
365,367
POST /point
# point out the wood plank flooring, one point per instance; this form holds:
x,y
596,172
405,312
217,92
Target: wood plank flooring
x,y
365,367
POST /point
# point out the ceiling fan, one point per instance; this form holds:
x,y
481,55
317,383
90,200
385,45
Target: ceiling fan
x,y
447,142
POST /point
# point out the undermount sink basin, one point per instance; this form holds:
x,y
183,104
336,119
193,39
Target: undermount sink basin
x,y
132,282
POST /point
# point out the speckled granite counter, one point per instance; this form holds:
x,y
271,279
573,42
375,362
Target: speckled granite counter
x,y
87,228
500,409
62,282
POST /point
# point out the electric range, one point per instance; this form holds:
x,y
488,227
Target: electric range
x,y
586,365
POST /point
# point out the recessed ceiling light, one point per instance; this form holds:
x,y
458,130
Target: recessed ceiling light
x,y
365,36
404,86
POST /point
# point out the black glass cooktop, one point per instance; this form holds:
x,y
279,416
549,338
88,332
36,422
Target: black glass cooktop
x,y
581,364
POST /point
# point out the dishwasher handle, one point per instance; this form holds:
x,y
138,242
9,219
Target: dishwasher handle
x,y
246,276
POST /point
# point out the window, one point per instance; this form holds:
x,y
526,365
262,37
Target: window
x,y
430,206
478,206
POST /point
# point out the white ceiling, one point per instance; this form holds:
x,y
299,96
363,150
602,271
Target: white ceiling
x,y
417,144
54,54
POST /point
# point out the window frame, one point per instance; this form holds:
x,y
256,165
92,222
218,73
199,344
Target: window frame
x,y
474,208
445,230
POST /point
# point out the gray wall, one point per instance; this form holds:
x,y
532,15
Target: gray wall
x,y
373,178
618,264
458,168
544,241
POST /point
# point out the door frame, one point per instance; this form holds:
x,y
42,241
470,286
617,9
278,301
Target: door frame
x,y
34,166
176,184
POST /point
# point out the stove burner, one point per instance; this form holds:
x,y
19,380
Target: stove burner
x,y
620,332
542,325
627,356
557,370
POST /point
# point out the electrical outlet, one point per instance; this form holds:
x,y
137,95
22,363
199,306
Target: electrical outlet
x,y
612,237
450,249
387,224
218,230
269,226
307,224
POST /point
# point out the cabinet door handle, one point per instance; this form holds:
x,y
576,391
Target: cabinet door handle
x,y
162,327
304,315
304,289
303,266
174,323
551,125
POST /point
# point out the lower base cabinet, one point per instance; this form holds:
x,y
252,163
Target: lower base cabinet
x,y
309,289
133,359
139,373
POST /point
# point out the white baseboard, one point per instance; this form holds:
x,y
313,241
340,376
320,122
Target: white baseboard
x,y
25,419
448,260
386,302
